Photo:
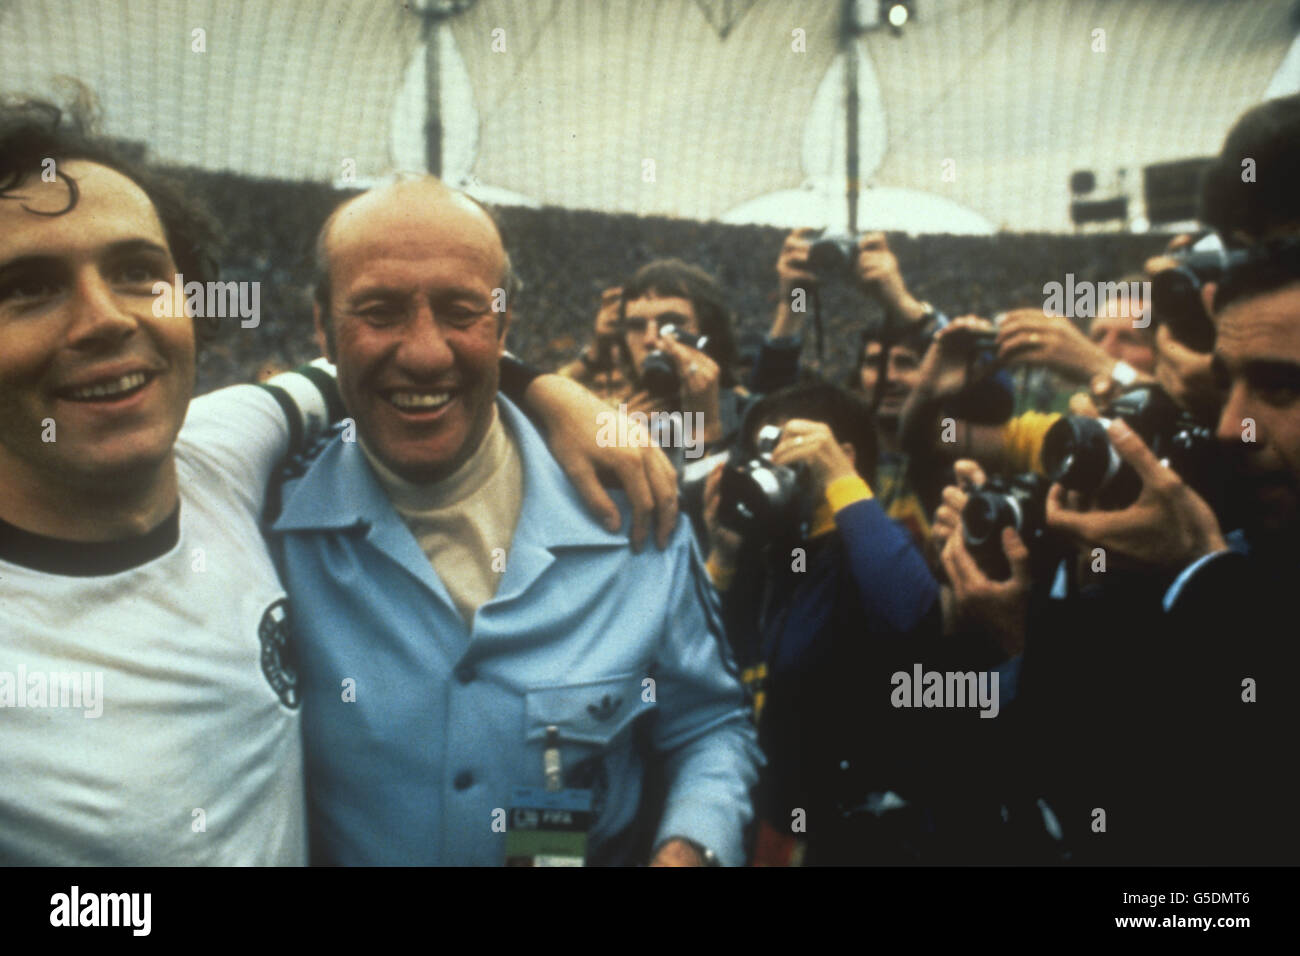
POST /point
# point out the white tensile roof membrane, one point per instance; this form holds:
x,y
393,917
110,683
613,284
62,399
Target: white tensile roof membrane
x,y
737,124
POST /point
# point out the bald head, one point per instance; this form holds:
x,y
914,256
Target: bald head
x,y
381,217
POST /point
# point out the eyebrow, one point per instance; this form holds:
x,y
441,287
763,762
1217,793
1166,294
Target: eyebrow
x,y
1258,370
47,262
380,291
1271,370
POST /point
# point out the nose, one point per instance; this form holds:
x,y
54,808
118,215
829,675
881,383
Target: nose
x,y
424,350
893,374
99,317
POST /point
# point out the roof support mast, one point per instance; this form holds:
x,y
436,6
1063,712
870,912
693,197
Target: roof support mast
x,y
848,47
432,15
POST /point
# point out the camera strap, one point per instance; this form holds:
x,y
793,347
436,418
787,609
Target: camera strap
x,y
818,331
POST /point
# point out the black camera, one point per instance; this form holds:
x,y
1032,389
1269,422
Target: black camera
x,y
755,493
1077,451
981,349
658,373
999,503
833,253
1176,293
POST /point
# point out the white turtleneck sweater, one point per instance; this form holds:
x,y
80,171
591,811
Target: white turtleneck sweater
x,y
460,520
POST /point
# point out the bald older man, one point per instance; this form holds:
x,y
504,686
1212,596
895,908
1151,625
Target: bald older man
x,y
488,674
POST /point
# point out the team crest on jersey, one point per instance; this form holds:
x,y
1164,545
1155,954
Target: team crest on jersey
x,y
277,653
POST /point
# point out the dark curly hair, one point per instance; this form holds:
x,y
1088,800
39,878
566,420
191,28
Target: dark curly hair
x,y
33,131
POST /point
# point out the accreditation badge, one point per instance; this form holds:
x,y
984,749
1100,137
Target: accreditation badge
x,y
547,827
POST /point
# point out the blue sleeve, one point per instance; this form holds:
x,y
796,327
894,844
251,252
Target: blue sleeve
x,y
894,583
703,726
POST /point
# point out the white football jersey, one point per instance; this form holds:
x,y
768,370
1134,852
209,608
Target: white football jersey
x,y
148,700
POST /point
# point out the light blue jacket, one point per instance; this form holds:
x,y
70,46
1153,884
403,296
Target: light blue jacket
x,y
624,653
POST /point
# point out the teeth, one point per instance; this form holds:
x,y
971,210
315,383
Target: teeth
x,y
420,399
123,384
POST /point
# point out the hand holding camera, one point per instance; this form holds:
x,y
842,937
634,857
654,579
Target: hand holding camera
x,y
867,259
877,269
954,353
679,367
999,608
947,517
793,268
813,445
1027,336
1168,525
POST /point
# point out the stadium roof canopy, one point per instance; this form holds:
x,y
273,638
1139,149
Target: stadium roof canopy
x,y
971,120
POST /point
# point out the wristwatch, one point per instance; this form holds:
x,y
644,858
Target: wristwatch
x,y
933,321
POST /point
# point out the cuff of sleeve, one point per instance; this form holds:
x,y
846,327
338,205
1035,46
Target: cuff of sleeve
x,y
1176,589
843,492
720,576
706,825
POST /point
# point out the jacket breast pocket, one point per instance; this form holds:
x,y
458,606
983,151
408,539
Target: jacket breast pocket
x,y
593,713
602,750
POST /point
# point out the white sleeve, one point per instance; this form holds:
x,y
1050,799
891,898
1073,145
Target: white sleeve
x,y
245,431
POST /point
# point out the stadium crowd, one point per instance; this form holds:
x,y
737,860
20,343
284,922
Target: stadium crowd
x,y
958,582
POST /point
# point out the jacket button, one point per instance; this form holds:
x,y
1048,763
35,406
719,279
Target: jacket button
x,y
464,780
465,673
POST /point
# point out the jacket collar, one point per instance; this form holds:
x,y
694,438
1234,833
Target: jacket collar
x,y
340,491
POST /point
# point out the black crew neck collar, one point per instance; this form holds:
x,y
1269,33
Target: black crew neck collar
x,y
85,559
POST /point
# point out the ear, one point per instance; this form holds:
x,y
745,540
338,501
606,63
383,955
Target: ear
x,y
848,450
506,316
324,340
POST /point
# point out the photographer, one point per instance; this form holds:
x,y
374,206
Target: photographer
x,y
818,620
1113,355
1178,639
1232,611
690,368
888,354
1097,647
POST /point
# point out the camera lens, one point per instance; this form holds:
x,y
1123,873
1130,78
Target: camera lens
x,y
986,514
1077,453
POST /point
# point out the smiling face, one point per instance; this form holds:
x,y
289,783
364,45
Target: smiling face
x,y
1257,361
80,345
902,374
413,268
